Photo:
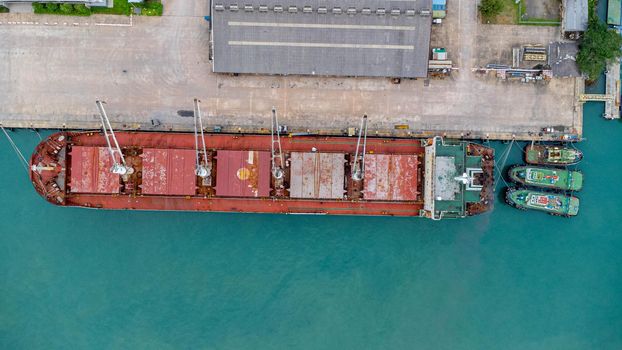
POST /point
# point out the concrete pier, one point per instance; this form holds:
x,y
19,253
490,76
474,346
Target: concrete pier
x,y
54,68
612,107
611,97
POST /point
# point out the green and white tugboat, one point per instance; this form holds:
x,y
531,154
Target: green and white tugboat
x,y
553,178
552,155
548,202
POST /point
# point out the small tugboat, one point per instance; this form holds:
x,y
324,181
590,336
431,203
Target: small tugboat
x,y
552,203
552,155
553,178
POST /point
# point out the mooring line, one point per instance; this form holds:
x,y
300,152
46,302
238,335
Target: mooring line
x,y
16,149
37,132
504,156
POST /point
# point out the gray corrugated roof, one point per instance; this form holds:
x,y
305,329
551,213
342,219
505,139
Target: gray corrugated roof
x,y
575,15
309,43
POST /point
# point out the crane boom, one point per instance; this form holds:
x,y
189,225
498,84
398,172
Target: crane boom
x,y
359,164
277,170
113,147
201,169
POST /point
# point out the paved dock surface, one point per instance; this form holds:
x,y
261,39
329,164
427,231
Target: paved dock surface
x,y
612,107
53,68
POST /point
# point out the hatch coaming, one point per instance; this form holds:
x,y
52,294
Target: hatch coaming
x,y
168,172
243,173
392,177
317,175
90,171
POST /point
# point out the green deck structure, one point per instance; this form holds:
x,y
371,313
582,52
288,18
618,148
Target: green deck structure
x,y
450,179
613,12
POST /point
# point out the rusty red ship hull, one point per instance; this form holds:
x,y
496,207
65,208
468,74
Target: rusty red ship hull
x,y
72,169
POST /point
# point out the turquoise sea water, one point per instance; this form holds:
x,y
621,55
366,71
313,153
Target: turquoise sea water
x,y
82,279
77,278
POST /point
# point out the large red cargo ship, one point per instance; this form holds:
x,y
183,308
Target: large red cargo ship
x,y
434,178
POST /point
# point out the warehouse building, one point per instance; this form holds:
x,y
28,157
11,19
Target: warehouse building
x,y
322,37
574,17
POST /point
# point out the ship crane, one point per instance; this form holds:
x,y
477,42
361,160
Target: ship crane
x,y
113,147
359,160
277,169
201,170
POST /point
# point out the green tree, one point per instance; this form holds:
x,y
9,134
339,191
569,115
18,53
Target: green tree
x,y
37,7
52,7
82,10
598,46
66,8
490,8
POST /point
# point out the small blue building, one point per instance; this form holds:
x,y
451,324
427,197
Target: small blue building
x,y
439,8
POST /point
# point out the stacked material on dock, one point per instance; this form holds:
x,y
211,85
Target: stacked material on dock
x,y
438,65
439,54
534,53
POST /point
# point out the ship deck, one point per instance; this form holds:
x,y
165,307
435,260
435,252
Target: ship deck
x,y
241,180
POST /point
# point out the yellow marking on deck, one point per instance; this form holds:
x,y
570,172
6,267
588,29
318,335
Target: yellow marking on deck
x,y
595,97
